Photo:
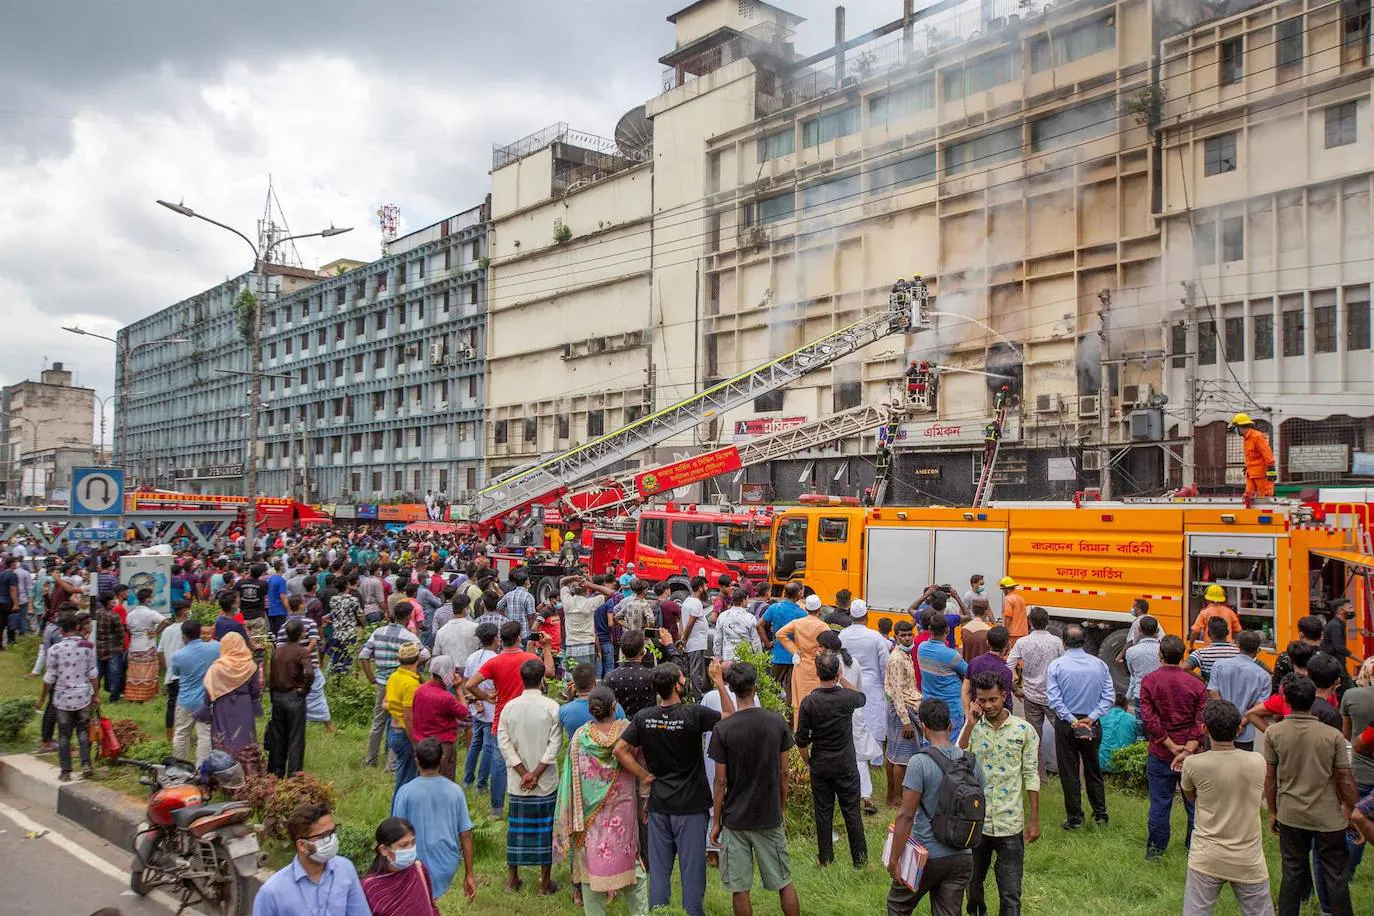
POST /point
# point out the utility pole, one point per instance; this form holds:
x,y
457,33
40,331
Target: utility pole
x,y
1104,392
250,479
1189,384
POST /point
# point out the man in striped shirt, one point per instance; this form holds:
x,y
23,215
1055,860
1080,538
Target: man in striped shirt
x,y
380,658
1218,646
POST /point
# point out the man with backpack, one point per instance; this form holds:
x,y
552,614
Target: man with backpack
x,y
943,810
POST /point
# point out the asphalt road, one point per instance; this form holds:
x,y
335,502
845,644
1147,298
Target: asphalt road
x,y
65,871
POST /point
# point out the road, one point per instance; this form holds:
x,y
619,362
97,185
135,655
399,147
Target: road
x,y
66,871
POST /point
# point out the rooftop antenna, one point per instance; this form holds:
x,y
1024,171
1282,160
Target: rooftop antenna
x,y
388,217
273,226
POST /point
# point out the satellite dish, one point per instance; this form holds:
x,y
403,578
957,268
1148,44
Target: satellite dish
x,y
634,135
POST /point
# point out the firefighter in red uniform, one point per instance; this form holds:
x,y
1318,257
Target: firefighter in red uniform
x,y
1260,472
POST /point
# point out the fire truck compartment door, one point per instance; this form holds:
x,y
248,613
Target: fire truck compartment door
x,y
1244,546
1350,558
959,553
898,567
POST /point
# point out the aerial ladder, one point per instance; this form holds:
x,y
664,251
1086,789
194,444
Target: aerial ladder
x,y
992,444
907,307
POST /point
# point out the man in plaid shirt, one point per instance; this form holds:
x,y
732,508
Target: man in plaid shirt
x,y
518,603
380,658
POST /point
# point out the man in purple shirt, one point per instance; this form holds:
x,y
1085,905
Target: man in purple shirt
x,y
1171,702
994,662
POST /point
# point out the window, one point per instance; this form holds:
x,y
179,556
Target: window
x,y
688,535
377,441
903,173
1293,344
359,327
596,422
847,393
380,320
563,426
653,533
1355,16
289,340
983,151
472,478
376,481
1219,154
1205,243
840,123
775,146
766,403
321,337
902,102
1206,343
830,194
1323,328
832,530
498,432
1178,345
1264,336
398,480
531,429
272,350
1232,238
1340,125
1074,125
339,331
976,76
319,372
1357,318
1235,340
772,209
1232,60
790,546
1288,38
1077,41
379,359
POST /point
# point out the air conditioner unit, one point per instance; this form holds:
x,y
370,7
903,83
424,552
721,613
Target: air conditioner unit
x,y
468,353
1047,403
411,351
1092,460
1087,406
436,353
1136,395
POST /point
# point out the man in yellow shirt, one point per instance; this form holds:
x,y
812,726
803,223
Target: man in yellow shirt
x,y
400,703
1013,610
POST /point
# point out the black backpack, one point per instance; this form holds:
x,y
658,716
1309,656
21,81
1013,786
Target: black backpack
x,y
960,808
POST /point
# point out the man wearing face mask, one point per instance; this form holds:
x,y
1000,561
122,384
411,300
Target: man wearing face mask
x,y
976,589
318,880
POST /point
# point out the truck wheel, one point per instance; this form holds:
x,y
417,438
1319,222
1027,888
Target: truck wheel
x,y
1112,645
546,589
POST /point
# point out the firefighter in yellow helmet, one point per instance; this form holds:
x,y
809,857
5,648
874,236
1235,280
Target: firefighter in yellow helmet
x,y
1216,606
1260,472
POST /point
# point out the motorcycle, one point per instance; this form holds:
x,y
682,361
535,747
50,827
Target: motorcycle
x,y
205,852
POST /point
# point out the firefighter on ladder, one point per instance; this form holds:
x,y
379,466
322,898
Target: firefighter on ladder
x,y
991,434
1260,471
1001,399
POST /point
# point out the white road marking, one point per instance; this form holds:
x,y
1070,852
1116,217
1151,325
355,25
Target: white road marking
x,y
58,840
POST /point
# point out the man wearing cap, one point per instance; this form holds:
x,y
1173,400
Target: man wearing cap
x,y
869,650
1260,470
401,687
1216,607
1013,610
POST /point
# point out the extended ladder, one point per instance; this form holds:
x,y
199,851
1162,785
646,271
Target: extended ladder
x,y
908,304
984,491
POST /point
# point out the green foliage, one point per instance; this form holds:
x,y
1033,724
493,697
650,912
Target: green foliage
x,y
14,715
768,690
562,233
274,799
356,845
484,262
246,308
1146,106
149,751
351,699
204,612
27,648
1128,766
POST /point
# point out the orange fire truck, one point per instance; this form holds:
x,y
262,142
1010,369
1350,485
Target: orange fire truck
x,y
1087,563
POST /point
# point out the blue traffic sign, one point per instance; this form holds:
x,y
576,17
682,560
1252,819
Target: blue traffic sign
x,y
94,534
97,491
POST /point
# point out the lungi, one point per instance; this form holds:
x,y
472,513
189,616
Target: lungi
x,y
141,678
316,705
529,829
900,750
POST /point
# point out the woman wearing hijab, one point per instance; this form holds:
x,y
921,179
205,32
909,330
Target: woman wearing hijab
x,y
595,823
234,692
397,883
438,714
802,637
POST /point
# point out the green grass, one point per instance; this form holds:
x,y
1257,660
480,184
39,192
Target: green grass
x,y
1092,871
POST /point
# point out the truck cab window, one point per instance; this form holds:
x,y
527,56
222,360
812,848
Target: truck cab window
x,y
790,552
653,533
833,530
694,536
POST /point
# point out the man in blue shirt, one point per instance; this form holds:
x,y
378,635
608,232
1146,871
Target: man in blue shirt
x,y
189,665
942,671
438,810
276,598
318,881
1080,692
1242,679
574,714
777,617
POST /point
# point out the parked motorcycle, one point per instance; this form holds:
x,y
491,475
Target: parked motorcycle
x,y
204,852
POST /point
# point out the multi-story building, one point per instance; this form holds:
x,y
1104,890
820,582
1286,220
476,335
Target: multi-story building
x,y
374,376
372,385
1268,154
47,428
185,423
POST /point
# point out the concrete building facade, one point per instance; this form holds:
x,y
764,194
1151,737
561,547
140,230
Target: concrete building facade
x,y
1268,154
47,429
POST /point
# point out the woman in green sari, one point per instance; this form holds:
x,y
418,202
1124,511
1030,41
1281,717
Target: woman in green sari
x,y
596,824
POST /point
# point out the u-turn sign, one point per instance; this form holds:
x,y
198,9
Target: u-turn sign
x,y
97,491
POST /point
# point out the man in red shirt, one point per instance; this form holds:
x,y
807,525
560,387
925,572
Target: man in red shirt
x,y
438,714
1171,702
504,670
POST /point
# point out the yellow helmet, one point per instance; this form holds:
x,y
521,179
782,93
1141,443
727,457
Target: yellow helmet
x,y
1215,593
1242,419
1007,582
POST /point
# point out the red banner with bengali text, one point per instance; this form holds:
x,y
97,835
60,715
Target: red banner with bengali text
x,y
688,471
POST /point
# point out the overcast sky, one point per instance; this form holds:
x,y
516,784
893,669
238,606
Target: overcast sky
x,y
106,106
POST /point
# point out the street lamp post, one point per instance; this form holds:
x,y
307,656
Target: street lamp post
x,y
260,261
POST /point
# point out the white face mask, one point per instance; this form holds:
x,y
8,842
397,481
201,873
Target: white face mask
x,y
326,848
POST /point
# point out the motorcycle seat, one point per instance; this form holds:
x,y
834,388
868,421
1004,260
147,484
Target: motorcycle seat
x,y
185,817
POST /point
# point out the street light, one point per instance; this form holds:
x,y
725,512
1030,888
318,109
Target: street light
x,y
260,261
126,354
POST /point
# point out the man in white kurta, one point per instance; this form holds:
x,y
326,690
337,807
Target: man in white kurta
x,y
869,650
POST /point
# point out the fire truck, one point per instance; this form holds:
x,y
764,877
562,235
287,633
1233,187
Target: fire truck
x,y
273,513
1087,561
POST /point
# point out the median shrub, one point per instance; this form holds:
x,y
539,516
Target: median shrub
x,y
273,799
351,699
1128,766
14,715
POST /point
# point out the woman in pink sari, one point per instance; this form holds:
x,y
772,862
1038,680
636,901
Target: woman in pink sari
x,y
397,883
596,824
